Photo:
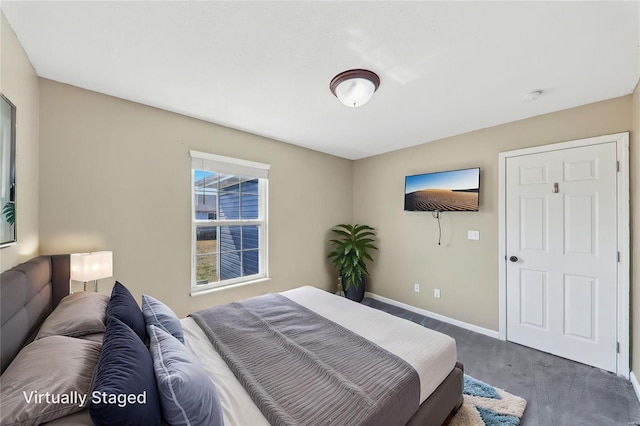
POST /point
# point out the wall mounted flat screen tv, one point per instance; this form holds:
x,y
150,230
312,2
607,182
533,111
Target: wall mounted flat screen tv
x,y
454,190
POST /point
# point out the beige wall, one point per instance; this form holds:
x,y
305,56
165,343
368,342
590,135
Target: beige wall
x,y
19,83
465,271
115,175
634,149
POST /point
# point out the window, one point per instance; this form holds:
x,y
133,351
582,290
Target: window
x,y
229,221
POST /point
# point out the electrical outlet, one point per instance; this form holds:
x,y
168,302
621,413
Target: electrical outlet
x,y
473,235
436,293
416,288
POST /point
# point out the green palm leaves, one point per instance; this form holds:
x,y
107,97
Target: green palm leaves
x,y
9,212
350,250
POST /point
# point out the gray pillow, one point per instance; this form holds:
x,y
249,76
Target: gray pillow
x,y
59,365
76,315
157,313
187,394
95,337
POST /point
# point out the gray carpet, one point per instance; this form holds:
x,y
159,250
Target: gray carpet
x,y
559,392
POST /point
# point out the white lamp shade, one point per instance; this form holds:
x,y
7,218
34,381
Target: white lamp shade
x,y
91,266
355,92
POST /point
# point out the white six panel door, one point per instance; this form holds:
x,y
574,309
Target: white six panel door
x,y
561,226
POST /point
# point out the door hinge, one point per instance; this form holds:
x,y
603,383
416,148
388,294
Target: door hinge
x,y
617,166
618,257
617,347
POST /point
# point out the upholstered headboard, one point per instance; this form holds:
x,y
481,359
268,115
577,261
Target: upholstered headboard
x,y
28,294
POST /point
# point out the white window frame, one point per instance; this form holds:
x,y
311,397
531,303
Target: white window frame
x,y
234,166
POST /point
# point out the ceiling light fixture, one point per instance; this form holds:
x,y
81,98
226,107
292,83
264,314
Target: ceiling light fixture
x,y
531,96
354,88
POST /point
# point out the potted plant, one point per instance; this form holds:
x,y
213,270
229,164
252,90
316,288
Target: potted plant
x,y
350,251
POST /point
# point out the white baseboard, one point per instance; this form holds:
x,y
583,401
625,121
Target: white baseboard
x,y
636,385
462,324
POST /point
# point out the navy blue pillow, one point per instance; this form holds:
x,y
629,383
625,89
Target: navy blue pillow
x,y
124,389
123,306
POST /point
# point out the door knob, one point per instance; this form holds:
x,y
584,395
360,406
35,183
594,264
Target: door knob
x,y
513,258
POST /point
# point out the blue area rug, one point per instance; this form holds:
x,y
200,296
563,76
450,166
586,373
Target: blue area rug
x,y
487,405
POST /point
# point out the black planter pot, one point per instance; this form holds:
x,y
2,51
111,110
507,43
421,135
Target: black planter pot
x,y
355,294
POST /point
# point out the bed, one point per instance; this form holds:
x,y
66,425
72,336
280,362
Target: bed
x,y
31,291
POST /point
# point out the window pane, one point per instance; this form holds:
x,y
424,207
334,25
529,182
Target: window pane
x,y
249,208
229,265
205,194
250,262
249,187
249,237
229,205
229,183
239,251
206,240
230,238
206,254
206,268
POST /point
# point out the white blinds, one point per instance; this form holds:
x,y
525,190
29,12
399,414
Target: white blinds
x,y
227,165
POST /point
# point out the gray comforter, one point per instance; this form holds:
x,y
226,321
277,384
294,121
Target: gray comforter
x,y
303,369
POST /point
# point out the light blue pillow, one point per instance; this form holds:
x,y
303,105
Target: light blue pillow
x,y
187,394
157,313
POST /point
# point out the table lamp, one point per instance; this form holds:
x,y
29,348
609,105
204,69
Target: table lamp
x,y
91,267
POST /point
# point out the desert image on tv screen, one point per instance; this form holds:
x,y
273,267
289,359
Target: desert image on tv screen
x,y
456,190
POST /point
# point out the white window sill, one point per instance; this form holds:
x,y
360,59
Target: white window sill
x,y
196,293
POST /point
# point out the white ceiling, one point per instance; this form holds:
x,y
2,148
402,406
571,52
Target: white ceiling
x,y
264,67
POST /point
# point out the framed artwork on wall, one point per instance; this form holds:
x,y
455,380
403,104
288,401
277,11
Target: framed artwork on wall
x,y
8,234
